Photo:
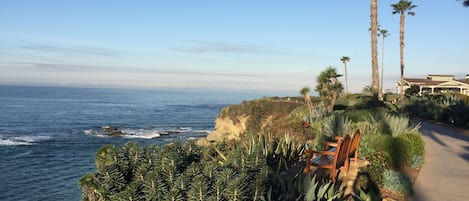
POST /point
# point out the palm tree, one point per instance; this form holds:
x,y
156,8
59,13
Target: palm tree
x,y
305,92
402,7
344,60
329,88
374,49
383,33
465,3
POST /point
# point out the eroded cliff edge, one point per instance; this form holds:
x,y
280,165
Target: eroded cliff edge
x,y
269,115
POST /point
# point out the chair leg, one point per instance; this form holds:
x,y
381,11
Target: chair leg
x,y
333,175
308,166
355,158
346,166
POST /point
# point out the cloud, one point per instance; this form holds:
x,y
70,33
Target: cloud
x,y
84,50
219,47
128,69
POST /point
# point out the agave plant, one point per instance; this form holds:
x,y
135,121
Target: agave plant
x,y
399,125
364,196
323,191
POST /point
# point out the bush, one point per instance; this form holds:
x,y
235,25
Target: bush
x,y
458,114
412,91
409,146
383,143
396,181
358,115
379,161
417,162
449,108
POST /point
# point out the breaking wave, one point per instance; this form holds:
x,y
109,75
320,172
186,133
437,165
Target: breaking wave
x,y
142,133
23,140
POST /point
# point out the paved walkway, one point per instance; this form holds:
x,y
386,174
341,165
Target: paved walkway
x,y
445,174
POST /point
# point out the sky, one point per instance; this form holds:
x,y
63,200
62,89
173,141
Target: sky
x,y
221,44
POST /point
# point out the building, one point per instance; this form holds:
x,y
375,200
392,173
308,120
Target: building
x,y
437,84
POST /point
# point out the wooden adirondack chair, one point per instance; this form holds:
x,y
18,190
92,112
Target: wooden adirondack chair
x,y
333,160
353,152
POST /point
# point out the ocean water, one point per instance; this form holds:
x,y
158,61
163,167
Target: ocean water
x,y
49,135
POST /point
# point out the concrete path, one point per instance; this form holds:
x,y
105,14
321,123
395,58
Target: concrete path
x,y
445,174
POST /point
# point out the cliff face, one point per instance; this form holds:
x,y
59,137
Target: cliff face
x,y
264,115
227,129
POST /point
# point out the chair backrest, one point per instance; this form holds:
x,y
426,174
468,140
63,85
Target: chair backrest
x,y
342,151
355,141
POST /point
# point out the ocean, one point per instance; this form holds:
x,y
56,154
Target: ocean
x,y
49,135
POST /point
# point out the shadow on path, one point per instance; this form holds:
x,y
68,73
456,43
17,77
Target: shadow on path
x,y
441,134
444,175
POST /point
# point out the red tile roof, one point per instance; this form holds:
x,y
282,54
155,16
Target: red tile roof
x,y
434,75
414,81
424,82
464,81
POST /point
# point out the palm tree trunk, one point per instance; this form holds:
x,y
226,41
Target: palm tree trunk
x,y
401,34
308,102
374,49
381,92
346,80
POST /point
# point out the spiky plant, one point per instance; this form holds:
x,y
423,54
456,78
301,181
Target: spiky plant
x,y
398,125
154,187
367,196
323,191
337,125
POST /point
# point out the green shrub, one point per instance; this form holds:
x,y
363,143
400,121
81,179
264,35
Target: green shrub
x,y
367,147
448,108
458,114
383,143
408,146
412,90
246,170
379,161
396,181
358,115
417,162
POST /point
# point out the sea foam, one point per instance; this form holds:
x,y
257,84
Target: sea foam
x,y
22,140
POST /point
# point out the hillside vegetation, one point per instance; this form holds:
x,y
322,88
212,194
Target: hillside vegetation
x,y
266,161
267,115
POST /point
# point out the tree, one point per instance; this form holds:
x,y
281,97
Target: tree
x,y
402,7
345,60
374,50
465,3
305,92
383,33
412,90
328,87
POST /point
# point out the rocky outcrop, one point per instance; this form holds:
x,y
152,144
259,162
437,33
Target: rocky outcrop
x,y
227,129
267,114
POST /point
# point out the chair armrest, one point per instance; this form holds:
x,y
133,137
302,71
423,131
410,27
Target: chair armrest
x,y
324,152
331,144
308,152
